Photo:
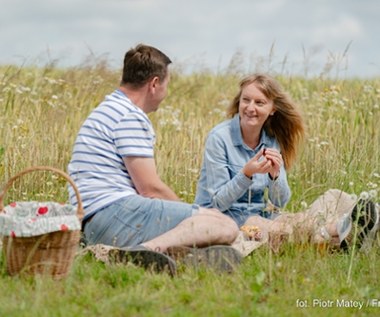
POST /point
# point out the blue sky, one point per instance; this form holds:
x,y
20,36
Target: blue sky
x,y
277,36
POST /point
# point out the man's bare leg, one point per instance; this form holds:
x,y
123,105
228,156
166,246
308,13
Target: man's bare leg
x,y
207,227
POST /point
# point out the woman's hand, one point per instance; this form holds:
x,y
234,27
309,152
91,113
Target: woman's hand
x,y
258,164
275,157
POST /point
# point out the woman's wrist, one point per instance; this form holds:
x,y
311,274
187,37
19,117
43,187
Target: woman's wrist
x,y
247,173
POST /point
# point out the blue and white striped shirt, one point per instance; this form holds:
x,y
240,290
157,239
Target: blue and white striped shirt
x,y
115,129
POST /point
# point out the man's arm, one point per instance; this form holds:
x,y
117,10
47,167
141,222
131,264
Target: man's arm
x,y
146,180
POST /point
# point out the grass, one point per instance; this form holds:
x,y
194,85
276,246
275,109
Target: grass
x,y
41,110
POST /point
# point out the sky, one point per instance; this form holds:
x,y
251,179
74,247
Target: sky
x,y
303,37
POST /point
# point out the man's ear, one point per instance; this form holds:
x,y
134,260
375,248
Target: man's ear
x,y
154,81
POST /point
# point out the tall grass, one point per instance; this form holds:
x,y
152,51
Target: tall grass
x,y
41,110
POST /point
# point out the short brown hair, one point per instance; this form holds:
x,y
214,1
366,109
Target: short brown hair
x,y
143,63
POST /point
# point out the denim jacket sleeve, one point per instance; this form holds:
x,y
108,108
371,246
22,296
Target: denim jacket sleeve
x,y
223,189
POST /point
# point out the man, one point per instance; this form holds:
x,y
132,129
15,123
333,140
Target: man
x,y
126,203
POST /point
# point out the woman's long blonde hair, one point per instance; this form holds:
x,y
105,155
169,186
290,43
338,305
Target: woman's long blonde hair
x,y
286,125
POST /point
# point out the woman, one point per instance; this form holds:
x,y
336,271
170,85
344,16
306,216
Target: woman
x,y
245,162
251,151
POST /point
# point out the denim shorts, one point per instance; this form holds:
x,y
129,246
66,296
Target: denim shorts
x,y
135,219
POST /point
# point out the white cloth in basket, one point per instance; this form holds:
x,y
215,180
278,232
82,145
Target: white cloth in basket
x,y
28,219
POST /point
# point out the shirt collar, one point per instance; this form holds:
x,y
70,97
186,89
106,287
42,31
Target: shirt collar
x,y
237,138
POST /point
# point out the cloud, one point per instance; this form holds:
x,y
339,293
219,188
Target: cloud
x,y
344,28
208,32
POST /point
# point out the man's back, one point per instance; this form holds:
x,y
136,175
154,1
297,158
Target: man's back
x,y
116,128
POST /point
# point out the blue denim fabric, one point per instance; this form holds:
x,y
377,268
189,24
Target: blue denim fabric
x,y
222,184
135,219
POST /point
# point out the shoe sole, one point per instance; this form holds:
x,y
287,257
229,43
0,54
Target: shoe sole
x,y
366,218
220,258
150,260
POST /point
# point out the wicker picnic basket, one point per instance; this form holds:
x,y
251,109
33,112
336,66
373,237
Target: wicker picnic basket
x,y
51,253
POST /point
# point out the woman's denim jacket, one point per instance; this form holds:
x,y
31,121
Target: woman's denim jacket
x,y
222,184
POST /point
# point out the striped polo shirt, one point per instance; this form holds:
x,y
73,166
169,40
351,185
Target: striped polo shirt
x,y
115,129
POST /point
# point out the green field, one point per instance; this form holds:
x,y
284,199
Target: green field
x,y
41,110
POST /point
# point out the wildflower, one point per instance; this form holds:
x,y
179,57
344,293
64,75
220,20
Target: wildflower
x,y
304,204
372,185
218,111
51,104
25,89
372,193
364,195
224,102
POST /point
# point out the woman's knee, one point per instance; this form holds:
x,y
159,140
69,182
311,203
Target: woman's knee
x,y
257,221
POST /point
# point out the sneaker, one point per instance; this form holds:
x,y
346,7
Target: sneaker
x,y
221,258
144,257
364,223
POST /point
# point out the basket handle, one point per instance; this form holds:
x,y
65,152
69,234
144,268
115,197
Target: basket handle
x,y
43,168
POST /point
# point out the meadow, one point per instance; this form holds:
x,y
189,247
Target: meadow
x,y
41,110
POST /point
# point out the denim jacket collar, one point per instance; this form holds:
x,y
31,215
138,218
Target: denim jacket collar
x,y
237,137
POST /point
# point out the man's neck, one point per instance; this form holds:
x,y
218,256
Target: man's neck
x,y
137,96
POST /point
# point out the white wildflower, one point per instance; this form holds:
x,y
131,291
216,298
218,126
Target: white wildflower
x,y
224,102
25,89
304,204
51,104
372,193
364,195
372,185
218,111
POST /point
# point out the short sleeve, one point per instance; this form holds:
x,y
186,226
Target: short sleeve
x,y
134,136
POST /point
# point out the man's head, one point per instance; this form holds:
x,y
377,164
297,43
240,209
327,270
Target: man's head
x,y
142,64
146,72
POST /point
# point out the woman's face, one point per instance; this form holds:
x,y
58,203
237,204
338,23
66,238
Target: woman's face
x,y
254,107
